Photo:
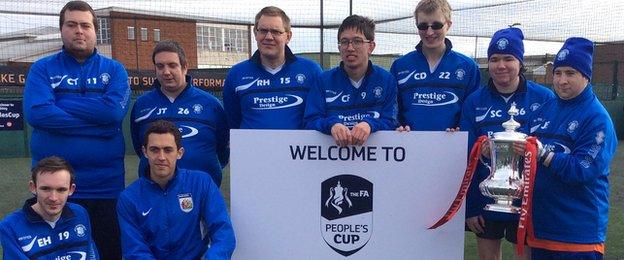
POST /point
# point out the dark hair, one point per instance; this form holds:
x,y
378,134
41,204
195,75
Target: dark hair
x,y
430,6
273,11
361,24
77,6
170,46
52,164
163,127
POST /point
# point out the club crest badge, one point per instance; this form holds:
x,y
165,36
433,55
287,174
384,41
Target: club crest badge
x,y
562,54
80,230
378,91
572,126
346,213
197,108
300,78
459,74
502,43
186,202
105,78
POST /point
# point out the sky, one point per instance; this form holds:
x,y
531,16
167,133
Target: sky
x,y
549,22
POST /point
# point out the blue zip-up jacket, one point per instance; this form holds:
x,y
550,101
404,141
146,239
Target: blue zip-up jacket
x,y
432,100
571,195
333,99
76,111
25,235
177,222
484,112
201,119
256,99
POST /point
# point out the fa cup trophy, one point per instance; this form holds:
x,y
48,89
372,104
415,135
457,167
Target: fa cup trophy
x,y
504,184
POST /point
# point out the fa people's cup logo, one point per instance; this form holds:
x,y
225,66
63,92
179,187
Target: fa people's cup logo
x,y
346,213
562,54
502,43
337,197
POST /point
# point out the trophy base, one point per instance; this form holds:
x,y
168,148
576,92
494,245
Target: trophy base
x,y
502,208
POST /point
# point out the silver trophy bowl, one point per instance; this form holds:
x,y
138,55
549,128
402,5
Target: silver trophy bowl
x,y
504,184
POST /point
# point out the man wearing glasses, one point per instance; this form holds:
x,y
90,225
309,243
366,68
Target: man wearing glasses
x,y
356,98
269,90
433,80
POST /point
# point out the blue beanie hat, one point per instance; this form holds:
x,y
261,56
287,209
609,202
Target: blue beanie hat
x,y
507,41
576,53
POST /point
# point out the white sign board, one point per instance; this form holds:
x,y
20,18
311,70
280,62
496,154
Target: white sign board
x,y
296,195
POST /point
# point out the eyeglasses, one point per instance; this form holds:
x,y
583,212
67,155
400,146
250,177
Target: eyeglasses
x,y
357,42
435,26
273,32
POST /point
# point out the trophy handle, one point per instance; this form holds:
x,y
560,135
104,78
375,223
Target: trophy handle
x,y
485,163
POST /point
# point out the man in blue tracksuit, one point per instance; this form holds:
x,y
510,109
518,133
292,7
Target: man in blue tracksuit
x,y
433,80
483,113
169,212
198,114
571,196
49,227
269,90
357,98
75,101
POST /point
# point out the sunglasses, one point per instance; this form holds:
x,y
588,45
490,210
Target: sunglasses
x,y
435,26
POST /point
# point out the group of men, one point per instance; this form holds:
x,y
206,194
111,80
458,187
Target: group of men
x,y
75,101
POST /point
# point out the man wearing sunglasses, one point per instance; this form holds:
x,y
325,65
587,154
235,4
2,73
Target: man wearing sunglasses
x,y
269,90
357,98
433,80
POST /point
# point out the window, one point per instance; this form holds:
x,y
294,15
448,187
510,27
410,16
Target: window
x,y
156,35
103,33
144,34
211,38
130,33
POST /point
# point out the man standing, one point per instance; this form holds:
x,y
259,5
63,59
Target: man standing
x,y
49,227
269,90
198,114
172,213
571,195
356,98
433,80
483,113
75,101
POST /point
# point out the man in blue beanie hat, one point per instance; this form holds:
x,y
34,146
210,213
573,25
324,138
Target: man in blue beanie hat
x,y
483,113
571,194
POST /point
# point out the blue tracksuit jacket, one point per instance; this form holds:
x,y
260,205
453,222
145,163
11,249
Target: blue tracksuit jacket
x,y
432,100
177,222
201,119
333,99
76,110
484,112
25,235
571,196
256,99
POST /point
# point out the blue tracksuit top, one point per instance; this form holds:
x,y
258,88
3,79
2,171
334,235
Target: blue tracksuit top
x,y
571,196
25,235
484,112
201,119
432,100
256,99
333,99
177,222
76,111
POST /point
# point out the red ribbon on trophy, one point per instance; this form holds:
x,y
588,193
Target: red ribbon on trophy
x,y
528,178
475,153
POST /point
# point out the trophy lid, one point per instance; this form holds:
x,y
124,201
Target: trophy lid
x,y
510,126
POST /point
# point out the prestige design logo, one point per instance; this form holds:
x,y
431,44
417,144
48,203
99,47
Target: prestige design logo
x,y
346,213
